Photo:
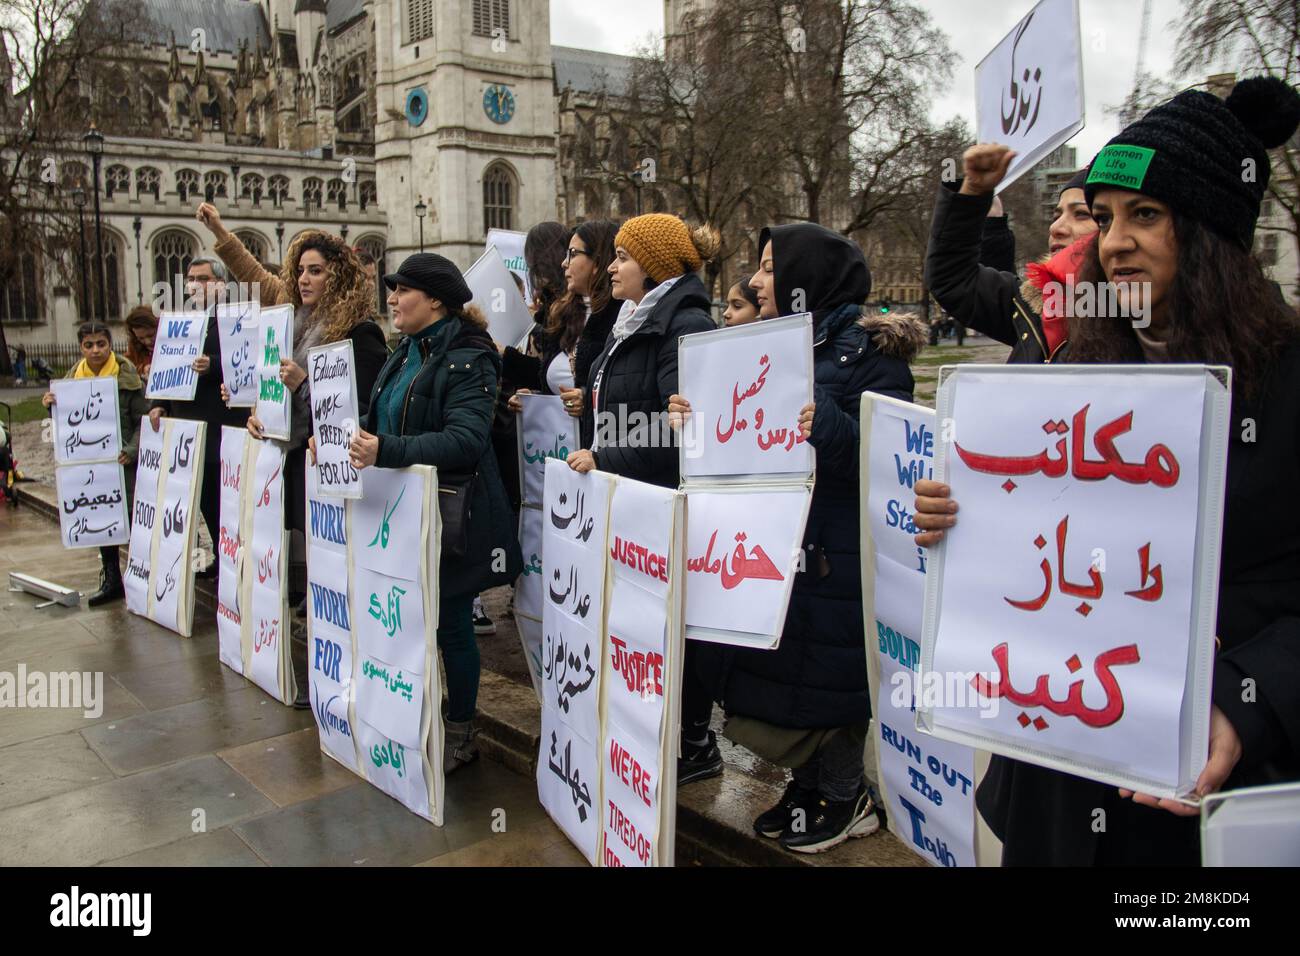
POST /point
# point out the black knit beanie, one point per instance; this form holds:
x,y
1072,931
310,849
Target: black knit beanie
x,y
1205,157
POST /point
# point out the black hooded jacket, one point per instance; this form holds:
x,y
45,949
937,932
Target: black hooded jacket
x,y
635,378
817,677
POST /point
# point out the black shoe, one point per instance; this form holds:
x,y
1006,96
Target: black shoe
x,y
828,823
482,623
772,823
303,700
110,580
107,593
699,763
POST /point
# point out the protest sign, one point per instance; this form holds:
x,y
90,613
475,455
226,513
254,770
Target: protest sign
x,y
927,784
1076,596
1254,826
1029,88
275,331
178,344
331,372
748,476
230,549
510,245
498,296
237,325
160,571
87,426
372,568
89,481
606,769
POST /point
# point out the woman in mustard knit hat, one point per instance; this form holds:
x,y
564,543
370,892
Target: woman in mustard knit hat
x,y
625,402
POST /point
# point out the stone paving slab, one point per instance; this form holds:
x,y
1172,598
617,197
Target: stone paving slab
x,y
25,724
541,844
290,768
160,686
134,813
41,768
217,848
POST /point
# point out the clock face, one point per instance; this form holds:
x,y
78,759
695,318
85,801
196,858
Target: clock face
x,y
499,103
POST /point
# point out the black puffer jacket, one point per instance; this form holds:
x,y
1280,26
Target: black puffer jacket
x,y
984,299
447,421
817,677
638,375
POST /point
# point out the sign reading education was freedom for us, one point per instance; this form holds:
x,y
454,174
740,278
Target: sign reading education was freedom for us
x,y
178,344
331,373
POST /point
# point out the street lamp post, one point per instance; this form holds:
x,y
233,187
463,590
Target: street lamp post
x,y
279,238
94,141
139,276
234,176
343,232
79,200
420,210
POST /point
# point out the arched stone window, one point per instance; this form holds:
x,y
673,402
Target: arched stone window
x,y
368,193
254,243
278,188
147,180
337,193
252,186
214,185
187,183
173,250
117,179
312,190
498,197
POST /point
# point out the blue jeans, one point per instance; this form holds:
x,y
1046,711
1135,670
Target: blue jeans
x,y
460,657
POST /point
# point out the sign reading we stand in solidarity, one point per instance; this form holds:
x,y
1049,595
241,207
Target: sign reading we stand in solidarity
x,y
928,784
1077,592
178,343
606,769
90,481
748,475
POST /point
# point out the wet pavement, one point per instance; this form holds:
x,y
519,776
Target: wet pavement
x,y
188,764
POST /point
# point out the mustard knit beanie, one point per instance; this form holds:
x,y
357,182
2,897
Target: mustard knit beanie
x,y
664,246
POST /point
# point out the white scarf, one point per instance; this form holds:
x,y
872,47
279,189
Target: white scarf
x,y
632,315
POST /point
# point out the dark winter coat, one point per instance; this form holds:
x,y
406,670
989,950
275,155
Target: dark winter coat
x,y
638,375
987,300
817,677
446,423
1046,817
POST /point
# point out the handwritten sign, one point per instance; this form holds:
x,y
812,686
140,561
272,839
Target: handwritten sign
x,y
746,386
178,344
87,426
144,516
1076,597
265,632
928,784
510,245
497,295
275,342
332,374
92,505
237,325
1029,88
234,443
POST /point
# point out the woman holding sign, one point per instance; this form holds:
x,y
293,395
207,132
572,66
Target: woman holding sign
x,y
433,404
806,705
1177,221
99,359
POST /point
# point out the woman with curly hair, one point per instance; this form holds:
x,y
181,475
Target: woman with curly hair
x,y
323,279
141,330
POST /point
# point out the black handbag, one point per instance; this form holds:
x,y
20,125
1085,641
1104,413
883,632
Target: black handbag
x,y
455,500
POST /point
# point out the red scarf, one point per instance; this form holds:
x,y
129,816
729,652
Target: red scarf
x,y
1062,269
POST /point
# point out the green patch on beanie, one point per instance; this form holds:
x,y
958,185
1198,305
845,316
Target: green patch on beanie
x,y
1123,166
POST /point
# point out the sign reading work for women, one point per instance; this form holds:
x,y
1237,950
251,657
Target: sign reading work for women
x,y
497,295
275,342
333,378
1070,612
1029,89
178,344
928,784
237,324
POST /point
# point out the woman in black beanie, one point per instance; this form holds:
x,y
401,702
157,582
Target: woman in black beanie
x,y
1176,196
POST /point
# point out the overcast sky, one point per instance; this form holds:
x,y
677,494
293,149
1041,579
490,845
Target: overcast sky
x,y
973,28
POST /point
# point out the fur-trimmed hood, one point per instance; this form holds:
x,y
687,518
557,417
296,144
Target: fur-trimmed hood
x,y
897,334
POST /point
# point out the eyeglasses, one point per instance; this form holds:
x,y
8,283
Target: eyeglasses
x,y
574,253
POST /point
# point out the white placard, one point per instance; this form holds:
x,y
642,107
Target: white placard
x,y
237,326
270,627
165,557
92,505
1029,88
234,442
568,783
1255,826
394,768
1076,592
496,294
386,522
545,431
746,386
87,426
274,401
389,623
331,371
531,583
743,548
630,799
178,344
389,699
571,656
510,245
144,516
928,784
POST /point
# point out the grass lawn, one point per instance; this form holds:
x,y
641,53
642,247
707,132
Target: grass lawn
x,y
28,410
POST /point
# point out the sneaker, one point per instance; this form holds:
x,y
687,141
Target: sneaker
x,y
699,763
828,823
772,823
482,623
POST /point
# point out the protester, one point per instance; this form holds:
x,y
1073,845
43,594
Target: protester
x,y
141,331
99,360
806,704
323,280
20,366
993,300
432,404
1184,234
742,303
205,286
547,367
654,274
